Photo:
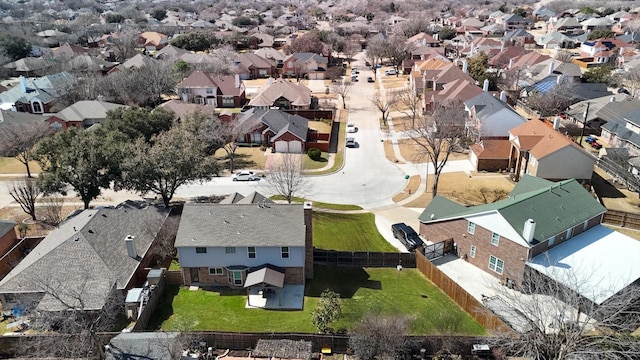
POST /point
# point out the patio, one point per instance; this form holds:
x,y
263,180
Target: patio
x,y
290,297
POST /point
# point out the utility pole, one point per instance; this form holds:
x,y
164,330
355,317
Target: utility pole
x,y
584,122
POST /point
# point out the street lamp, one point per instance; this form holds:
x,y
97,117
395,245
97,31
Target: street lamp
x,y
399,268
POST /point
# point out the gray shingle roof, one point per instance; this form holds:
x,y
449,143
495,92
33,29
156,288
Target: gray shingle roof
x,y
146,345
280,122
87,255
220,225
6,226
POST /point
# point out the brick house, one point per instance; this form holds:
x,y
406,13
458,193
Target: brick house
x,y
284,132
224,244
225,91
502,237
310,65
283,94
8,236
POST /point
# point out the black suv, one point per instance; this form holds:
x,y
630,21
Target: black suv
x,y
407,236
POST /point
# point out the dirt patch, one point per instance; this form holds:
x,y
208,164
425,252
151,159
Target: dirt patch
x,y
413,152
458,186
245,158
403,123
612,194
395,82
321,126
414,183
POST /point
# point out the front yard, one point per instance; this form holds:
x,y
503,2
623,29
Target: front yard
x,y
348,232
363,291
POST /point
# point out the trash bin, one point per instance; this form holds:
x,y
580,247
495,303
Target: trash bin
x,y
406,177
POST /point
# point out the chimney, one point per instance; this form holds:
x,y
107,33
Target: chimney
x,y
559,79
131,246
622,51
529,230
551,65
464,66
556,123
270,81
612,99
308,239
237,78
510,63
485,85
503,96
23,84
434,84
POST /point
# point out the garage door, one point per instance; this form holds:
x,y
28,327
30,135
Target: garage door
x,y
282,146
295,147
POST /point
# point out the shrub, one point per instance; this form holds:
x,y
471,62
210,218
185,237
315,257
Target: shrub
x,y
314,154
263,148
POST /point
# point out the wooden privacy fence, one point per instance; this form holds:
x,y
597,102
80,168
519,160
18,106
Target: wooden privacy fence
x,y
174,277
363,258
622,219
472,306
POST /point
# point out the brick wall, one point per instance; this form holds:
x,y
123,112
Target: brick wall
x,y
493,164
508,251
308,239
17,253
7,241
294,275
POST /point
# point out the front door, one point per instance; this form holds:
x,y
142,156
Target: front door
x,y
194,275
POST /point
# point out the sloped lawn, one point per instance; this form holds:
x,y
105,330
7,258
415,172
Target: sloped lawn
x,y
348,232
363,291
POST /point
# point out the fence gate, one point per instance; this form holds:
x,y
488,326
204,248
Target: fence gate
x,y
438,250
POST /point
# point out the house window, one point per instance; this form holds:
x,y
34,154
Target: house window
x,y
285,252
209,91
216,271
228,101
37,107
472,252
496,264
235,277
251,252
229,250
471,228
495,239
201,250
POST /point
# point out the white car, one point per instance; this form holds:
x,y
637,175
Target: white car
x,y
244,176
390,72
352,128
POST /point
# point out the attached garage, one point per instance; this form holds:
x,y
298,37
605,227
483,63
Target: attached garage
x,y
289,146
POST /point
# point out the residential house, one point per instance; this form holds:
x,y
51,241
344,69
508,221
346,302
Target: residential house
x,y
592,123
180,108
8,236
262,40
283,94
87,64
309,65
36,95
272,54
251,66
153,41
603,51
543,14
505,57
157,345
423,39
539,150
566,25
224,244
8,117
137,62
90,259
29,66
490,118
170,52
492,29
518,37
456,91
596,23
283,132
557,40
82,114
551,228
513,21
621,126
226,91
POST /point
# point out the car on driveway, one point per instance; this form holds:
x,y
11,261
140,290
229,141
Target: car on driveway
x,y
245,176
352,128
351,142
390,72
407,236
370,79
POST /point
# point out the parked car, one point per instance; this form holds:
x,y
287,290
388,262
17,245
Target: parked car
x,y
390,72
352,128
355,71
407,236
245,176
590,139
596,145
354,78
370,79
351,142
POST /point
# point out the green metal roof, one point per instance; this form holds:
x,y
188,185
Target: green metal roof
x,y
555,207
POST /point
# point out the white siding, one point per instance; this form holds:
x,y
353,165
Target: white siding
x,y
216,257
554,166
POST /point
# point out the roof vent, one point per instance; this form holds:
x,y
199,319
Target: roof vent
x,y
129,242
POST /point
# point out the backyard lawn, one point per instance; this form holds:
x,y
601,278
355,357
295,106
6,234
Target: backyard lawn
x,y
363,291
348,232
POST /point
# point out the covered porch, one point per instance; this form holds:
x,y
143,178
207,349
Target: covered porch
x,y
266,290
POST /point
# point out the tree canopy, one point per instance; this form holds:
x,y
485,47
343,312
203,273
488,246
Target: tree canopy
x,y
600,34
195,41
14,46
135,122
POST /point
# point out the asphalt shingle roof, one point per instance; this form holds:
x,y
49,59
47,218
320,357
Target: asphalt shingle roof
x,y
220,225
6,226
146,345
555,207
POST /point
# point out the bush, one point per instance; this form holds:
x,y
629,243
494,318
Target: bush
x,y
314,154
263,148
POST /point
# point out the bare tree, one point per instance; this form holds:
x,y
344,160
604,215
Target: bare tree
x,y
124,46
52,209
438,135
285,179
25,193
343,89
351,48
18,139
409,103
383,104
378,337
553,101
632,80
563,324
564,56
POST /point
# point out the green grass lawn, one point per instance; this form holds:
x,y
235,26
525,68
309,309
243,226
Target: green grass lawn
x,y
319,204
348,232
310,164
363,291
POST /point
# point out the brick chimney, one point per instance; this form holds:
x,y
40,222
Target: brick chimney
x,y
308,239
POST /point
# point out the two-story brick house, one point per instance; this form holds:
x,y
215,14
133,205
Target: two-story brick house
x,y
223,244
226,91
502,237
